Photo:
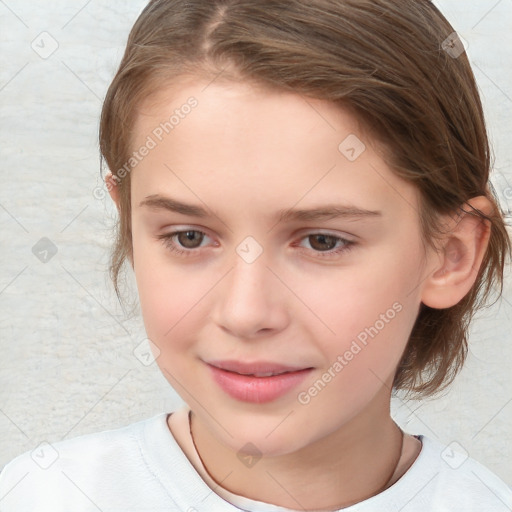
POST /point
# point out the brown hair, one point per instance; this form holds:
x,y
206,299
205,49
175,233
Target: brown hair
x,y
388,62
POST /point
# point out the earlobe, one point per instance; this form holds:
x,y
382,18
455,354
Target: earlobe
x,y
462,254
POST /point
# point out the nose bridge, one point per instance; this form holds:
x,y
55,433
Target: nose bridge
x,y
250,276
250,296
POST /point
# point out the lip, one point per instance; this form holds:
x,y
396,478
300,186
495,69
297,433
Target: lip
x,y
255,367
238,379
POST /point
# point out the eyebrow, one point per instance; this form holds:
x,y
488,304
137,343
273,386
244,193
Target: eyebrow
x,y
326,212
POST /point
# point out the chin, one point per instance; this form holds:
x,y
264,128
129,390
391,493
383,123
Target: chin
x,y
271,436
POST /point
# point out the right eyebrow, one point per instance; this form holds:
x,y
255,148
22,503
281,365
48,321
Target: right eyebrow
x,y
157,202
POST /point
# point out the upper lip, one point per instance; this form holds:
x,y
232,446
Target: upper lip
x,y
256,367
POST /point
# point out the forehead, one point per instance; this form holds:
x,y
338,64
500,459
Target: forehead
x,y
247,109
251,145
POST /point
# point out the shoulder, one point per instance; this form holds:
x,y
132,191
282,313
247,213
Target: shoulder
x,y
96,445
66,469
454,481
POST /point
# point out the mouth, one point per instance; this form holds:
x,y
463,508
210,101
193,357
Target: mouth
x,y
256,369
256,382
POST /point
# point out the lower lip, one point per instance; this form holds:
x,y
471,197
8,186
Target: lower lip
x,y
248,388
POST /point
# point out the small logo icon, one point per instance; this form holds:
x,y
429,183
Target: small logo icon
x,y
249,455
147,352
44,250
454,455
249,250
44,45
99,193
352,148
502,185
44,455
454,45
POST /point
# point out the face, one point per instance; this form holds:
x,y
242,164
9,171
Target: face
x,y
247,280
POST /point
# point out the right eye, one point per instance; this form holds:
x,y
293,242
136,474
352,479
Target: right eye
x,y
186,241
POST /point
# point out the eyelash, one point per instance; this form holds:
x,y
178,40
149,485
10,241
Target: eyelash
x,y
167,241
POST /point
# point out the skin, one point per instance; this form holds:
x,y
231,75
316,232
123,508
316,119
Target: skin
x,y
245,153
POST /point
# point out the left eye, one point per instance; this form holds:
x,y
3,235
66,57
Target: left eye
x,y
318,241
321,240
190,240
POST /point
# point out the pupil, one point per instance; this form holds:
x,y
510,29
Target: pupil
x,y
190,236
325,239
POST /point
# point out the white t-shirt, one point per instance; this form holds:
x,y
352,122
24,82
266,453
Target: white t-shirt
x,y
141,468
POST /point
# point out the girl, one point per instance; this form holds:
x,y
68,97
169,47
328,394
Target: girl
x,y
304,198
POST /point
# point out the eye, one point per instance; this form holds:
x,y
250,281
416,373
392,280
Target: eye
x,y
188,239
186,242
324,244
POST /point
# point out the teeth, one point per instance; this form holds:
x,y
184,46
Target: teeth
x,y
268,374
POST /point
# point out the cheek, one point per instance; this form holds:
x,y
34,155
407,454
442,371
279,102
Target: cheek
x,y
367,311
167,303
164,293
173,298
360,361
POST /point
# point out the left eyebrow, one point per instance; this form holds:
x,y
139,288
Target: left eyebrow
x,y
326,212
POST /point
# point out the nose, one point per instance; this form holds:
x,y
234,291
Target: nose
x,y
251,300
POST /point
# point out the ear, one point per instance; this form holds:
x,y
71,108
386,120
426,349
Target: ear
x,y
462,252
113,190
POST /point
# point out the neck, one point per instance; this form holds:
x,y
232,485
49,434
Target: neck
x,y
348,466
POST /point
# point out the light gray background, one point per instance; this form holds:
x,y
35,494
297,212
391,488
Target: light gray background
x,y
67,364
